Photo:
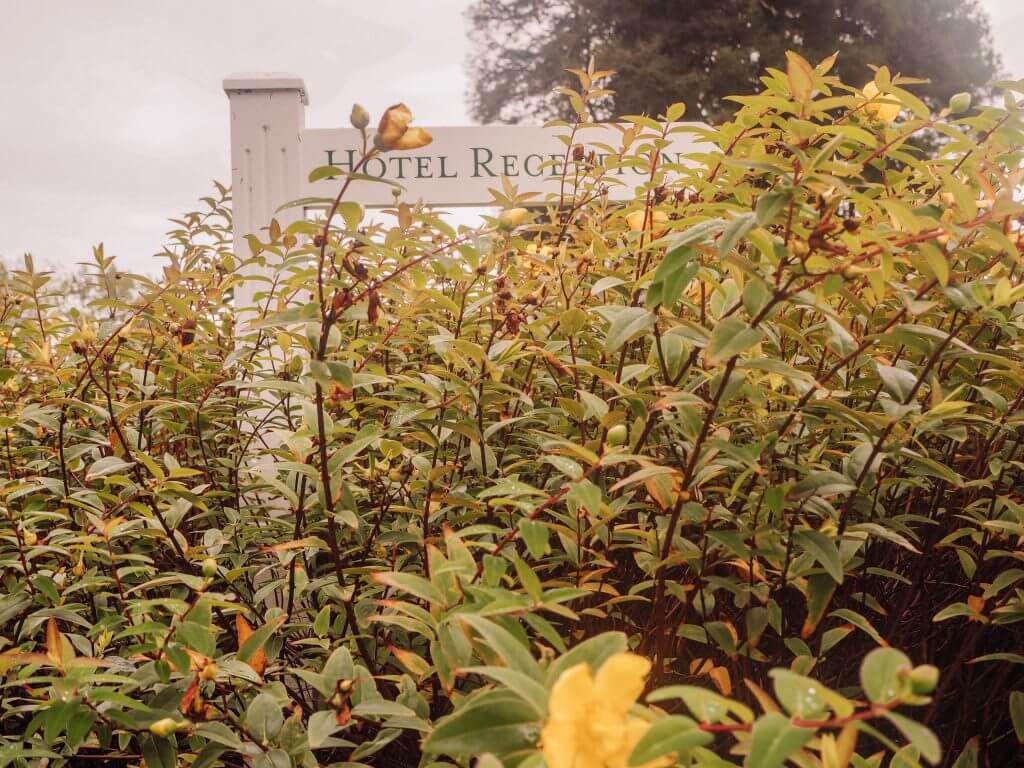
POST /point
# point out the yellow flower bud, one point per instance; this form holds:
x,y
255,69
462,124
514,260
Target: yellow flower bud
x,y
636,219
393,131
164,727
879,106
512,218
210,671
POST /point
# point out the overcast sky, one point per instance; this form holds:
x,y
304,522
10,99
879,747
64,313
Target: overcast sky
x,y
112,117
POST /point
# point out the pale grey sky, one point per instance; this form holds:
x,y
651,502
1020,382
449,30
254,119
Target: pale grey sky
x,y
113,118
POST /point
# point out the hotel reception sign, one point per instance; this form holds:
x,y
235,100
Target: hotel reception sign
x,y
273,154
461,164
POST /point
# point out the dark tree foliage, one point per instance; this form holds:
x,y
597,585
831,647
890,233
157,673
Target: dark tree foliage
x,y
669,50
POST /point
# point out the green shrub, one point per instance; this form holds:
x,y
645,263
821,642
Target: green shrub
x,y
440,492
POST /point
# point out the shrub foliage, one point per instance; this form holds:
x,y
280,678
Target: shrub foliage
x,y
437,492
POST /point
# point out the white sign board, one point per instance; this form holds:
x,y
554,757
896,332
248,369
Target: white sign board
x,y
272,154
461,164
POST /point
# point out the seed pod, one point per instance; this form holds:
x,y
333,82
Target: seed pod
x,y
617,435
959,103
373,308
188,333
164,727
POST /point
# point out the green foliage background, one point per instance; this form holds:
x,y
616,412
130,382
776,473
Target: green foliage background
x,y
765,416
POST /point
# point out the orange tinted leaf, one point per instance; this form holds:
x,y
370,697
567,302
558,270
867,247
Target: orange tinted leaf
x,y
54,642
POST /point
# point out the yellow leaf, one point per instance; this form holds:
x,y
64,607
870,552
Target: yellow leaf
x,y
1002,292
846,743
258,661
54,642
800,75
767,702
114,440
720,677
937,262
413,662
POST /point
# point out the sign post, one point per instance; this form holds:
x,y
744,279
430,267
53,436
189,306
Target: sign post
x,y
267,121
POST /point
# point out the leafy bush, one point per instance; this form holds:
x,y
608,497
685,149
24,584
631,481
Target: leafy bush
x,y
451,494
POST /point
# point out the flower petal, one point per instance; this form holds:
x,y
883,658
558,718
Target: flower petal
x,y
414,138
393,124
620,681
572,694
558,742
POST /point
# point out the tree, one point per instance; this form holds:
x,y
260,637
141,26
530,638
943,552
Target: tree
x,y
670,50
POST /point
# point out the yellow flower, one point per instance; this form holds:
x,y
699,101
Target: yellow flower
x,y
589,725
512,218
636,219
394,132
884,108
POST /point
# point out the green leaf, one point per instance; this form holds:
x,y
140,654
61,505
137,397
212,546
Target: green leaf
x,y
675,733
411,583
918,735
263,717
884,675
339,666
968,757
1017,714
625,323
671,277
731,337
272,758
898,382
593,651
697,234
535,535
707,706
770,205
532,692
735,230
344,455
824,550
219,733
955,610
774,740
158,753
496,721
860,622
516,655
798,695
197,637
322,725
108,465
1013,658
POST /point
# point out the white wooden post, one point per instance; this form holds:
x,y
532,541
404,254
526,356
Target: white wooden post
x,y
267,121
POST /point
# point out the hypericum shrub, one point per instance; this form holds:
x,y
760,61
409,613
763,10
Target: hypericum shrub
x,y
662,483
